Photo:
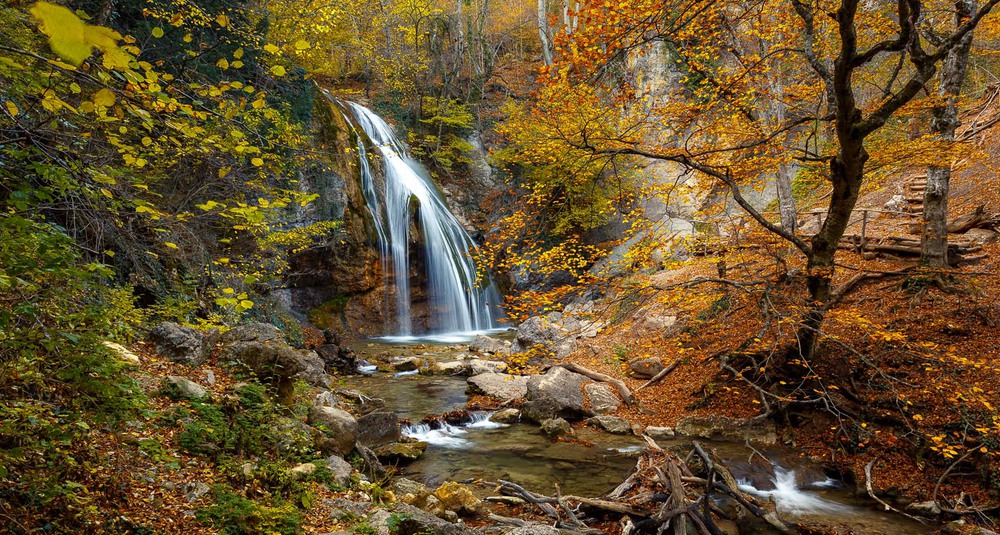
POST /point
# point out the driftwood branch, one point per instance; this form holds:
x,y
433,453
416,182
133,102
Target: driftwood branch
x,y
623,389
659,376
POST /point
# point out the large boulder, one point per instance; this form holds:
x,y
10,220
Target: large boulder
x,y
409,520
401,451
498,385
340,470
252,332
378,428
337,430
611,424
558,393
601,399
277,361
477,366
182,344
457,497
645,368
182,387
545,331
485,344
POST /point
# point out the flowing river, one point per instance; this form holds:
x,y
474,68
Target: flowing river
x,y
594,462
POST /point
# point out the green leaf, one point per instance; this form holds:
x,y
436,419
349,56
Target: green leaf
x,y
157,32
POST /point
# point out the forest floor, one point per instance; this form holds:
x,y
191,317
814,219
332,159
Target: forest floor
x,y
907,381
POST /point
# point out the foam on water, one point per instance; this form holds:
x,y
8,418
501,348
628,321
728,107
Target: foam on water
x,y
481,420
440,434
793,500
404,374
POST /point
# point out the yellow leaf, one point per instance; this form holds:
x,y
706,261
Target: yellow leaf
x,y
188,38
86,107
147,141
238,53
12,109
171,245
278,70
107,193
222,20
104,97
222,64
257,162
65,31
157,32
301,44
258,104
236,65
271,48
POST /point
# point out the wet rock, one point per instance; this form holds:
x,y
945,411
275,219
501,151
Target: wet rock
x,y
601,398
337,357
378,428
181,344
402,486
660,433
506,416
408,364
401,451
558,393
726,428
928,508
412,521
645,368
555,427
338,430
340,470
302,471
457,497
611,424
498,385
454,367
195,490
182,387
122,353
478,367
485,344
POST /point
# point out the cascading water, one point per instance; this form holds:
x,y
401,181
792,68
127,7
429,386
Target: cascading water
x,y
459,304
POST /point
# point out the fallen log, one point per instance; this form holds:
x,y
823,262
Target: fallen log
x,y
623,389
967,222
659,376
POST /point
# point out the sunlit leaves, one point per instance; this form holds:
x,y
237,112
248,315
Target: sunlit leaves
x,y
73,40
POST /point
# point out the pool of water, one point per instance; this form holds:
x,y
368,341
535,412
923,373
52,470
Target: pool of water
x,y
592,462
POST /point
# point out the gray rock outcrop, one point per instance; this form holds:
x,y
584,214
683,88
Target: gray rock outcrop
x,y
182,344
558,393
378,428
337,430
498,385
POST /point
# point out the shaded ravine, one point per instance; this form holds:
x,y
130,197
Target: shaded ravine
x,y
594,462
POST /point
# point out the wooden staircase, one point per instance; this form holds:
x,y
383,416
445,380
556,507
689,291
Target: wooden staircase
x,y
913,192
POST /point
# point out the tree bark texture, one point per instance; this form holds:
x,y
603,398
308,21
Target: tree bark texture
x,y
934,249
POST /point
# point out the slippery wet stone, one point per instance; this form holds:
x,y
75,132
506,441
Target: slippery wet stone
x,y
498,385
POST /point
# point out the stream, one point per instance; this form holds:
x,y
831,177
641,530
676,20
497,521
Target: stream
x,y
594,462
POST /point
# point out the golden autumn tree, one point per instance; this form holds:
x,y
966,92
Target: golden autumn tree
x,y
760,85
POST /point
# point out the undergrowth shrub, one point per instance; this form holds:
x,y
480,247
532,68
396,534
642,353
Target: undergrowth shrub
x,y
57,380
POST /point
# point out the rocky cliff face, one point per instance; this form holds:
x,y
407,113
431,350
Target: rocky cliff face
x,y
338,286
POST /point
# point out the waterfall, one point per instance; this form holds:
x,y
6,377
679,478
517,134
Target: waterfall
x,y
459,304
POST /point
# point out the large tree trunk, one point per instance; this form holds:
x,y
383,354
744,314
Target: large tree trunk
x,y
786,202
543,31
934,249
